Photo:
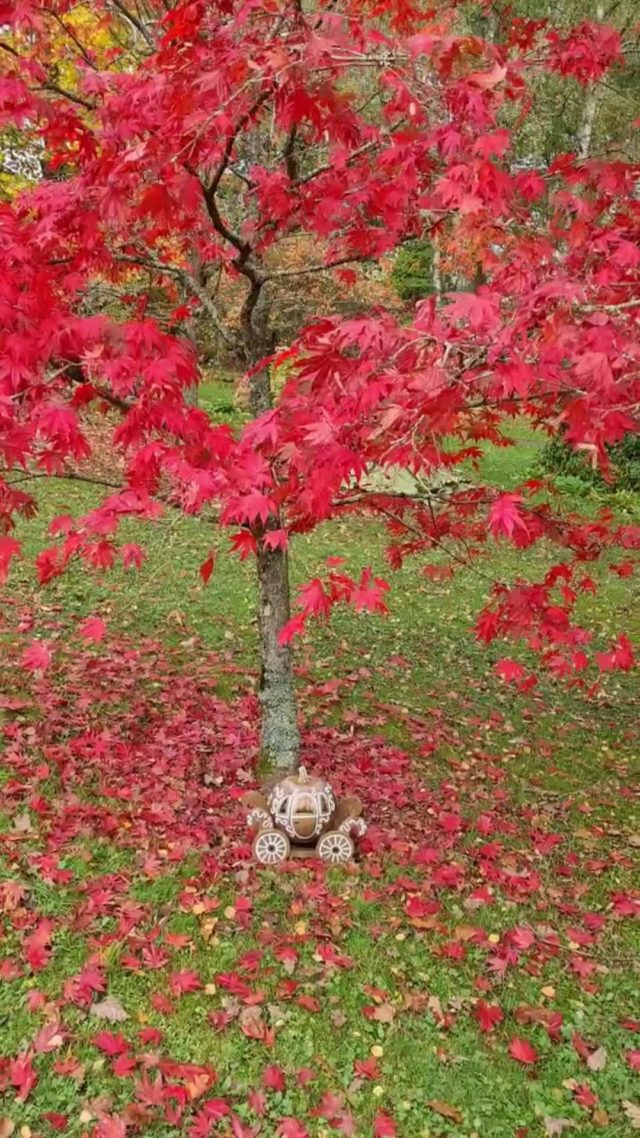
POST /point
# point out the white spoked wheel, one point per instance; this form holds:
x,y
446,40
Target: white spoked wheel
x,y
271,847
335,848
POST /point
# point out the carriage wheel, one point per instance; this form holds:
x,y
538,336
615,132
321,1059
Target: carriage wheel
x,y
335,848
271,847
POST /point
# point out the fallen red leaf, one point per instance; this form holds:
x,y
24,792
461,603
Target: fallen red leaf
x,y
522,1051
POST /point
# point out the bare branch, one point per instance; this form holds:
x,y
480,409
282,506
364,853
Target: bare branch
x,y
56,90
70,476
611,307
72,370
347,260
289,154
135,22
243,121
74,476
78,42
364,149
12,51
189,281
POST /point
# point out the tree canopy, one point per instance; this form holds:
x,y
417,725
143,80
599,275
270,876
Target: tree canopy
x,y
188,140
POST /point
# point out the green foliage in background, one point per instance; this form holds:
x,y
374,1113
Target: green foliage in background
x,y
559,459
412,273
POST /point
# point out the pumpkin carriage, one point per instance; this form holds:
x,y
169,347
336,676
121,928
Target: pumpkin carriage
x,y
298,814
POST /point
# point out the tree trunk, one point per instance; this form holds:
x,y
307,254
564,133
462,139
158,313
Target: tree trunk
x,y
280,738
437,267
585,129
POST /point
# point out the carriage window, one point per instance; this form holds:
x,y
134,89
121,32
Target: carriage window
x,y
324,804
284,806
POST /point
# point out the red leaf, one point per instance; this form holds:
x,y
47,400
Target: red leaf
x,y
487,80
274,1079
110,1126
276,539
622,656
110,1044
633,1059
216,1109
93,628
292,628
480,312
244,543
186,981
37,657
37,946
505,517
510,670
488,1015
123,1066
9,548
291,1128
56,1121
22,1076
367,1068
257,1102
50,1037
522,1051
522,938
384,1126
206,569
309,1003
584,1096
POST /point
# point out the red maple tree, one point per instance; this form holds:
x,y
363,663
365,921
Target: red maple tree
x,y
197,137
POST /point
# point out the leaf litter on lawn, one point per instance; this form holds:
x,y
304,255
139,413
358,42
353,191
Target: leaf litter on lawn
x,y
474,922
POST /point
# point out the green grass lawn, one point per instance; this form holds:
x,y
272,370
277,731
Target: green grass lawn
x,y
515,818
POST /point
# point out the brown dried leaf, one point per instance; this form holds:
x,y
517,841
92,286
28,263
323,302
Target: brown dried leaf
x,y
384,1013
555,1127
354,1088
632,1111
101,1104
470,904
22,824
207,928
7,1127
251,1022
597,1061
465,932
415,1001
434,1005
425,923
277,1014
445,1109
110,1009
338,1019
231,1006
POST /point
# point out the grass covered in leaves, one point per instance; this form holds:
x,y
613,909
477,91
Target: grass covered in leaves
x,y
475,973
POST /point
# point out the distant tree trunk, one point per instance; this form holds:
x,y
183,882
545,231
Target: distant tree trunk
x,y
191,328
585,130
493,23
280,738
437,268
